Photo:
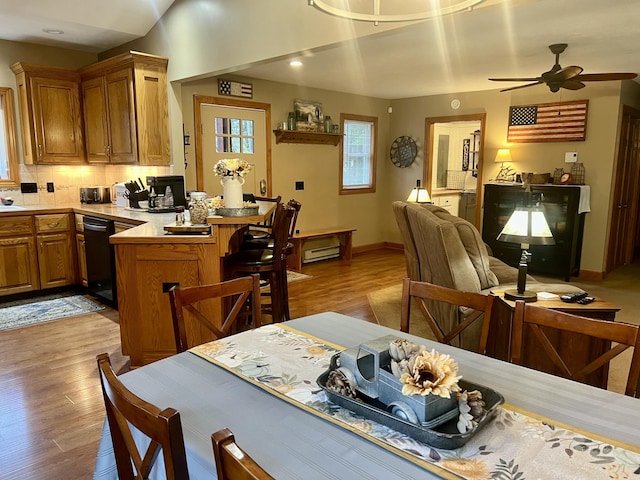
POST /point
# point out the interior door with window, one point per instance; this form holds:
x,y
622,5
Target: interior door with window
x,y
230,132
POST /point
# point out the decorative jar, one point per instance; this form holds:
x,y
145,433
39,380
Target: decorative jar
x,y
198,208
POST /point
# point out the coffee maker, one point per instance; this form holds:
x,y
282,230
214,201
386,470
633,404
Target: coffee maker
x,y
176,182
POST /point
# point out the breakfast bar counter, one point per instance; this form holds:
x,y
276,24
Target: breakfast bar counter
x,y
149,262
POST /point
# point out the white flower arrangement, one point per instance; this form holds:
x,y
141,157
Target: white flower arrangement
x,y
231,167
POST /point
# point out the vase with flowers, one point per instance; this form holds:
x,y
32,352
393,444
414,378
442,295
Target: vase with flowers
x,y
232,171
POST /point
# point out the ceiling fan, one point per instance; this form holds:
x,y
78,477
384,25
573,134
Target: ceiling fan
x,y
570,78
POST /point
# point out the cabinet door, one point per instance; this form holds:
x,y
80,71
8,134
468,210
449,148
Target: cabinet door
x,y
121,117
95,120
82,260
18,265
56,260
57,121
152,115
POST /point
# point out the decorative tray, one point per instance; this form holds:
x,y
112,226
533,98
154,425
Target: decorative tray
x,y
445,435
237,212
187,228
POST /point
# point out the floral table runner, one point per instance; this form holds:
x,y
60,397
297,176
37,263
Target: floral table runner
x,y
514,446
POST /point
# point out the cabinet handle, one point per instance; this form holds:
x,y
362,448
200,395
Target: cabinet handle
x,y
40,150
54,224
107,150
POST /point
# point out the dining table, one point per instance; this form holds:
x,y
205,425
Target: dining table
x,y
548,427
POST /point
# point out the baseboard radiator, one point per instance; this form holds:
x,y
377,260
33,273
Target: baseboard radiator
x,y
322,249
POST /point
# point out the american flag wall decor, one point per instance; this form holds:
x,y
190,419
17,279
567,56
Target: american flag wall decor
x,y
235,89
548,122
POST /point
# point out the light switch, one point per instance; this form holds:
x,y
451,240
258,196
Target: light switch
x,y
570,157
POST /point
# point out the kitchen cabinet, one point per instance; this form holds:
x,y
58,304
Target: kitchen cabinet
x,y
82,260
56,252
50,114
126,114
18,258
560,206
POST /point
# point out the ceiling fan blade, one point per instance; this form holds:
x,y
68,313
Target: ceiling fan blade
x,y
569,72
537,79
522,86
604,77
573,84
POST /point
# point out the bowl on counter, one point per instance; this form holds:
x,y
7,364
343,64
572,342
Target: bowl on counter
x,y
7,201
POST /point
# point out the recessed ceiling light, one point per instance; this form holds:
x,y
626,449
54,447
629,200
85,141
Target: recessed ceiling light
x,y
52,31
295,63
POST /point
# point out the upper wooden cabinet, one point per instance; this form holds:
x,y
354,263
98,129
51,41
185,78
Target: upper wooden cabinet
x,y
50,114
126,110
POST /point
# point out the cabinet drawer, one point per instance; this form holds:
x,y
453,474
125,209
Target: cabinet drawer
x,y
55,222
10,226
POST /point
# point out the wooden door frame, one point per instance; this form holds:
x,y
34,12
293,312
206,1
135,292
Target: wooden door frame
x,y
631,113
428,147
198,101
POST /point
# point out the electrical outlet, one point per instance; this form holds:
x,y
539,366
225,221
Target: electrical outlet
x,y
299,185
29,187
50,188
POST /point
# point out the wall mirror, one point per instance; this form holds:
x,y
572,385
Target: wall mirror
x,y
454,162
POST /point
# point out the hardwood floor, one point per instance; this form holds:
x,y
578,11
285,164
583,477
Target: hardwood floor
x,y
51,408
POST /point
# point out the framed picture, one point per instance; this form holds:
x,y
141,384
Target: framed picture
x,y
309,115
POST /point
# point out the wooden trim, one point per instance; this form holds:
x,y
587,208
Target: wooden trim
x,y
374,160
8,110
591,275
198,101
427,177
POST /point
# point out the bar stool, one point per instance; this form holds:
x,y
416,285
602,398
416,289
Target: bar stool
x,y
253,239
262,230
269,263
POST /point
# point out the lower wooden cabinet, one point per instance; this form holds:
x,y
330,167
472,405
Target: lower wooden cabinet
x,y
56,260
18,265
18,256
82,260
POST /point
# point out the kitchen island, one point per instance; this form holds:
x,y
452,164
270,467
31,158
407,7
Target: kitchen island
x,y
149,262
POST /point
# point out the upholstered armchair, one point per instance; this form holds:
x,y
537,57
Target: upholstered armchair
x,y
446,250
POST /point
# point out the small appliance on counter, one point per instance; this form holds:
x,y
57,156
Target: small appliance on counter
x,y
119,195
95,195
159,186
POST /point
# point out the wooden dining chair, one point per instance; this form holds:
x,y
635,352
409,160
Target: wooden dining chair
x,y
163,427
539,322
232,463
421,291
243,294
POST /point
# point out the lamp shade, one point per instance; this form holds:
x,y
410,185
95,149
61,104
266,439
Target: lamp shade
x,y
419,195
503,155
527,226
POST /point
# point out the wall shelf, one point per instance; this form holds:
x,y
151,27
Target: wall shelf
x,y
296,136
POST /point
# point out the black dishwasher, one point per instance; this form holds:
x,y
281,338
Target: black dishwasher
x,y
101,267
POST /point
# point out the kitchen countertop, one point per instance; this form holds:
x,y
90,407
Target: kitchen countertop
x,y
150,226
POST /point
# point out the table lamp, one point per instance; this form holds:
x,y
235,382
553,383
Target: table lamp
x,y
506,173
419,195
527,226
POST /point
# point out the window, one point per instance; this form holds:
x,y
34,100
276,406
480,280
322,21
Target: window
x,y
234,135
8,149
358,154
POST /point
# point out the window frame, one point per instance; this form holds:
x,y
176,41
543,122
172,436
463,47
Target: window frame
x,y
373,159
9,117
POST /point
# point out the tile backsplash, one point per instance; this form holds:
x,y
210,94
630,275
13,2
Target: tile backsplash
x,y
67,180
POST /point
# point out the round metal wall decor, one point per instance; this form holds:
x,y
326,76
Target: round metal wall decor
x,y
403,151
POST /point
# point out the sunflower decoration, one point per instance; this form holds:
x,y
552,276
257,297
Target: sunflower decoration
x,y
431,373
